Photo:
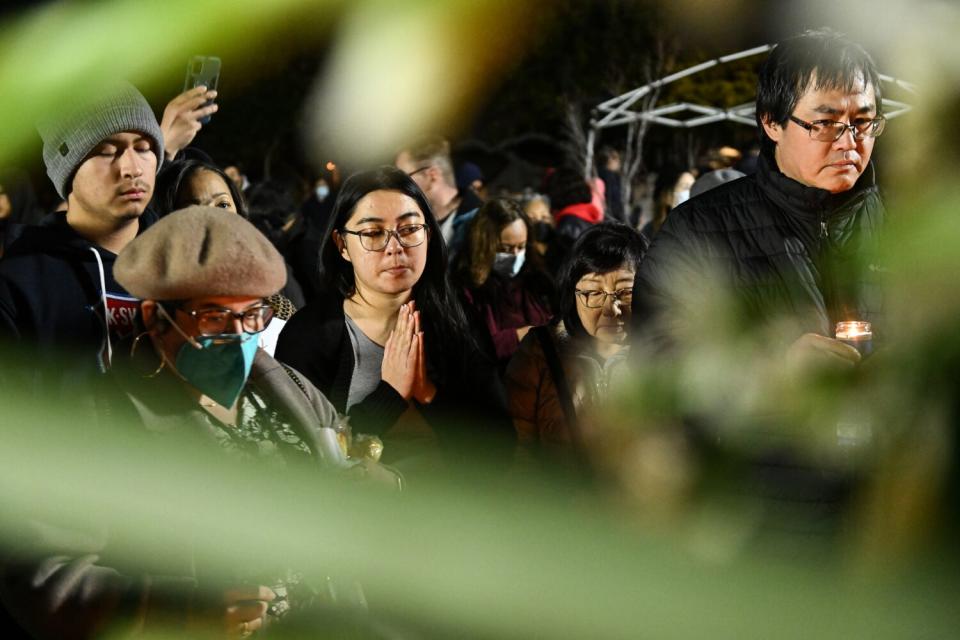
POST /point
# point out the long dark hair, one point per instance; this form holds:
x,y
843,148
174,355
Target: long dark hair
x,y
174,178
444,323
601,248
473,266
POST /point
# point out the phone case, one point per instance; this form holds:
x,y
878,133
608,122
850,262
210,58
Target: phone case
x,y
203,70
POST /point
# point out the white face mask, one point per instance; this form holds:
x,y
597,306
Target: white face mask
x,y
509,264
322,191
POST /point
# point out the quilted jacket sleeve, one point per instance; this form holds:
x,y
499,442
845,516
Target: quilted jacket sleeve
x,y
670,277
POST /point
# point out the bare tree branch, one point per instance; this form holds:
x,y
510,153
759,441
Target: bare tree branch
x,y
632,161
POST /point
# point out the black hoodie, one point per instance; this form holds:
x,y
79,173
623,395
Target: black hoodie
x,y
56,288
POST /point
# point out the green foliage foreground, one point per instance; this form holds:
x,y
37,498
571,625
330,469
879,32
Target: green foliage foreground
x,y
461,561
471,559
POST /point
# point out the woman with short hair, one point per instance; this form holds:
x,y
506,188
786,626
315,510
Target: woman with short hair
x,y
562,371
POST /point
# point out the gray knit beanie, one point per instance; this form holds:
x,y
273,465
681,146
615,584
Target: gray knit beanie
x,y
68,138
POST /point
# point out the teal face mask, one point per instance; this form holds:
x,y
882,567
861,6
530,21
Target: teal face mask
x,y
216,366
220,367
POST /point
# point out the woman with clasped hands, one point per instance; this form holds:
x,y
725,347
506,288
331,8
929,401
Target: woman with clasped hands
x,y
389,343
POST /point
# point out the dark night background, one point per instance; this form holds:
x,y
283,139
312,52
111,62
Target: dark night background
x,y
574,53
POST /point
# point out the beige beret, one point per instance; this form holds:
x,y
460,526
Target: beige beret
x,y
198,252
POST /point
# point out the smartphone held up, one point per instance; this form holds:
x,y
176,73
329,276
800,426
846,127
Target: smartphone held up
x,y
203,70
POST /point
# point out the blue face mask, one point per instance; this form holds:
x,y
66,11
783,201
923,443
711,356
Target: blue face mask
x,y
322,191
508,264
216,366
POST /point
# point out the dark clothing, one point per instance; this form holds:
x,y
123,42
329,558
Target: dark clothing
x,y
570,228
465,212
24,208
788,255
59,302
535,402
648,231
306,238
469,201
468,414
292,291
614,197
781,248
10,232
507,304
571,222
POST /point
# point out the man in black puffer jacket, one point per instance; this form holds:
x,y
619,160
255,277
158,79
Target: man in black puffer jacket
x,y
788,240
790,245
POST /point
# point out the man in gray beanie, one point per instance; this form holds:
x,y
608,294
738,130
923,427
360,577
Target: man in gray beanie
x,y
57,292
70,139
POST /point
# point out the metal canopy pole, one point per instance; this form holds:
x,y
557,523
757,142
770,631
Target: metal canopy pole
x,y
617,111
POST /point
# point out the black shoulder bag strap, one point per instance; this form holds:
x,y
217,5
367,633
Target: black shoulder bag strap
x,y
560,381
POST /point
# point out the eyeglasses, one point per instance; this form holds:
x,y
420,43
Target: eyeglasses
x,y
409,235
416,171
831,130
594,299
217,320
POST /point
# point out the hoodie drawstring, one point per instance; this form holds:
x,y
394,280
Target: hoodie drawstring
x,y
106,311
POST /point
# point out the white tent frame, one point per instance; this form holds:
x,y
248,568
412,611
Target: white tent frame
x,y
618,111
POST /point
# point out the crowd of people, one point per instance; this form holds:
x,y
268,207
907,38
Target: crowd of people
x,y
402,323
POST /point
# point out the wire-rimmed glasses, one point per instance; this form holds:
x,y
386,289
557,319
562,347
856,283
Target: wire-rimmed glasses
x,y
596,298
832,130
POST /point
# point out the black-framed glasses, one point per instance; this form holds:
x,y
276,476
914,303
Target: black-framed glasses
x,y
416,171
832,130
596,298
377,239
216,321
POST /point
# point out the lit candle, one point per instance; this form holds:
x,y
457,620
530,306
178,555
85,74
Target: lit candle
x,y
857,334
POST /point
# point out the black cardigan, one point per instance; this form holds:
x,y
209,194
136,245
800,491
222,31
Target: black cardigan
x,y
469,413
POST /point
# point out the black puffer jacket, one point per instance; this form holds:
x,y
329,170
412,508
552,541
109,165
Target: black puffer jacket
x,y
780,247
793,257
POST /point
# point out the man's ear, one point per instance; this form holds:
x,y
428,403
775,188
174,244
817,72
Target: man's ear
x,y
341,246
773,129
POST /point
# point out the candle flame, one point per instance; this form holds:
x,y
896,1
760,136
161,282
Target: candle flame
x,y
853,330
